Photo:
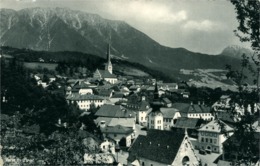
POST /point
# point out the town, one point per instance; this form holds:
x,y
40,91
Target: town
x,y
48,118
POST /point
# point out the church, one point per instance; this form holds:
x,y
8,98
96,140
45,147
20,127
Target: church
x,y
106,74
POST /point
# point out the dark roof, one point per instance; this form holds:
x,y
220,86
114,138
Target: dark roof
x,y
159,145
77,97
115,111
168,112
166,100
118,129
106,74
118,95
194,108
189,123
105,92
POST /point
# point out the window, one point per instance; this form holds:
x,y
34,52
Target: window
x,y
202,139
210,140
206,139
185,161
215,141
115,135
141,118
142,163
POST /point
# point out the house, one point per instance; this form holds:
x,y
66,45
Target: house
x,y
118,96
170,116
108,146
231,113
111,115
211,136
106,93
162,148
82,88
143,108
114,111
106,74
191,124
194,110
122,135
85,101
167,102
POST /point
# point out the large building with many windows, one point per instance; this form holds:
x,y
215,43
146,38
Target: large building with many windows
x,y
211,136
85,101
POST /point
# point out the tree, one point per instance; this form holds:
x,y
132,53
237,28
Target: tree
x,y
248,16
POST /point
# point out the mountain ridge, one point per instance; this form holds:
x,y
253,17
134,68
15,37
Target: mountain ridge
x,y
59,29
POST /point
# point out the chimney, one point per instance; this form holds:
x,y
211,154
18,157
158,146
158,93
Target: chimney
x,y
198,102
143,98
191,103
203,103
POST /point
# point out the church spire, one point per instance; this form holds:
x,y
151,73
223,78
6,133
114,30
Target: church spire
x,y
108,53
109,66
156,92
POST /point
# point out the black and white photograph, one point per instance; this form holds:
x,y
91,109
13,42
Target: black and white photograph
x,y
130,82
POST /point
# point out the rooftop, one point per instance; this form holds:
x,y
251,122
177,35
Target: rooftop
x,y
159,145
76,97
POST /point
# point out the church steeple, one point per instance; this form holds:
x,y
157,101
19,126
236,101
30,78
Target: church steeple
x,y
109,66
156,93
108,53
156,103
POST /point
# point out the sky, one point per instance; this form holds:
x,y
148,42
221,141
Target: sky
x,y
204,26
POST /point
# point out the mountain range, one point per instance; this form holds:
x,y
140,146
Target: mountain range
x,y
60,29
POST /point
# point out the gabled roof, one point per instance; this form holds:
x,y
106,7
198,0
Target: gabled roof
x,y
76,97
214,126
189,123
168,112
126,122
118,129
118,95
194,108
106,74
158,145
116,111
105,92
166,100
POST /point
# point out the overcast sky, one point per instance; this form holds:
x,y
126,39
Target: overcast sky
x,y
198,25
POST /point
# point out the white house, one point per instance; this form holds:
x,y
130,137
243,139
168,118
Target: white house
x,y
85,101
211,136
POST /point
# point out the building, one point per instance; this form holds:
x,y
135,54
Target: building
x,y
155,116
170,116
211,136
106,74
197,111
85,101
162,148
226,111
120,134
112,115
82,88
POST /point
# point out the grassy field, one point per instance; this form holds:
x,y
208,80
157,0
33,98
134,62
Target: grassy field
x,y
38,65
